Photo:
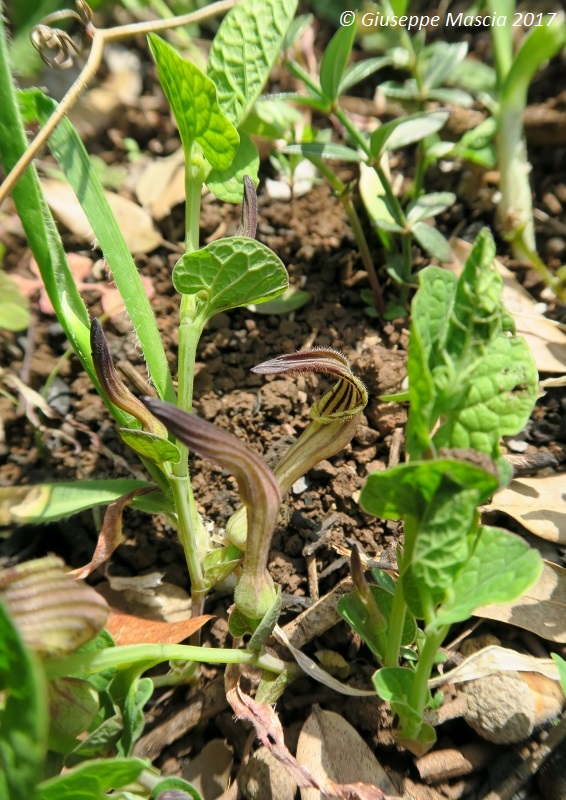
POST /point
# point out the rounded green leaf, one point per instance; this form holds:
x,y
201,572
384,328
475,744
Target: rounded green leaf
x,y
192,97
229,273
148,445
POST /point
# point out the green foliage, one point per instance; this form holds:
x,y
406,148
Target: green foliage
x,y
23,718
228,273
192,97
471,380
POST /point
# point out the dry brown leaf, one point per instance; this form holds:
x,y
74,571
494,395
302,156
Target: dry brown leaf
x,y
545,339
493,660
137,227
162,184
110,535
147,596
129,629
330,748
270,733
538,504
542,609
210,771
102,105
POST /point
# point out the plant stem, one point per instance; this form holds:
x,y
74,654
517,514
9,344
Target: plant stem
x,y
420,691
129,655
399,607
100,37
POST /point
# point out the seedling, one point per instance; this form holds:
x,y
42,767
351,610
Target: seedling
x,y
471,381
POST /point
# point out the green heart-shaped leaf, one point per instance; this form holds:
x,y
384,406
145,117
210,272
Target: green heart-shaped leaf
x,y
229,273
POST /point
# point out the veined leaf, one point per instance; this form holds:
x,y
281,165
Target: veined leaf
x,y
229,273
244,50
409,488
501,567
334,61
151,446
228,184
192,97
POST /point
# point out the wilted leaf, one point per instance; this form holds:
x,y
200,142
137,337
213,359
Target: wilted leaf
x,y
110,535
147,596
129,629
330,748
541,609
492,660
537,503
270,733
210,771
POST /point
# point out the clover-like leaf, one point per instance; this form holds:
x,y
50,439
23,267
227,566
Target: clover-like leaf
x,y
229,273
192,97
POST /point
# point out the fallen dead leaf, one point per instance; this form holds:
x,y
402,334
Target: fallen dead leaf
x,y
332,749
542,609
161,185
544,337
492,660
147,596
210,771
538,504
110,535
270,733
130,629
137,227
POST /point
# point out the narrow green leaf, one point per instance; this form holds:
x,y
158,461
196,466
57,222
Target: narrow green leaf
x,y
24,717
291,300
406,130
244,50
449,96
228,184
91,780
229,273
192,97
334,61
431,240
46,502
501,568
67,147
337,152
429,205
361,70
151,446
542,43
37,221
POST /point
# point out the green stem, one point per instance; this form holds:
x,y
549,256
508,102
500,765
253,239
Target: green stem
x,y
399,607
419,695
130,655
194,539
